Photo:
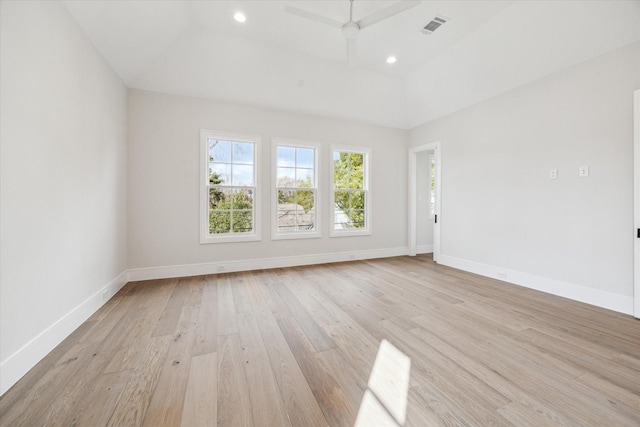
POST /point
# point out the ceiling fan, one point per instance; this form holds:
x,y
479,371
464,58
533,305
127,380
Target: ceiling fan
x,y
351,28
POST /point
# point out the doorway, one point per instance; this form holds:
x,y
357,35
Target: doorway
x,y
414,153
636,192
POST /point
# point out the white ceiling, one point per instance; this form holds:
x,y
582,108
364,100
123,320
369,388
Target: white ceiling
x,y
282,61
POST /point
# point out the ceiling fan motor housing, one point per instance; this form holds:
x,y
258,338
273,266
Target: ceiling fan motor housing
x,y
350,30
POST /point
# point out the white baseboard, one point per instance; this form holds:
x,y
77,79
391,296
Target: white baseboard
x,y
424,249
186,270
597,297
19,363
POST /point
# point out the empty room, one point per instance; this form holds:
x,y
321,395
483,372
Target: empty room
x,y
319,213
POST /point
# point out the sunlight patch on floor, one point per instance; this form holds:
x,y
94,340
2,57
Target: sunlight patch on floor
x,y
385,401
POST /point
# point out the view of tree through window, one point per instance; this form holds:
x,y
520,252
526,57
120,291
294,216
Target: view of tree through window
x,y
349,190
231,186
296,187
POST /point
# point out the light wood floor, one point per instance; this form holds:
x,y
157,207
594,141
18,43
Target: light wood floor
x,y
295,347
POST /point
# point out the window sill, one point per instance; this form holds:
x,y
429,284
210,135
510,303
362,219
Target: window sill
x,y
350,233
229,238
296,235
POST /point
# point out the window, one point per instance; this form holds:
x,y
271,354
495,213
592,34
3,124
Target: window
x,y
229,197
295,190
350,192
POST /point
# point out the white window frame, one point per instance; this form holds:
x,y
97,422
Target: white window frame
x,y
367,230
205,236
284,235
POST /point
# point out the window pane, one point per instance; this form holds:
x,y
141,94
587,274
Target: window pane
x,y
286,217
242,199
341,220
356,180
304,178
242,175
296,210
216,197
243,153
357,200
336,156
287,205
242,221
357,218
340,161
220,198
305,157
307,221
286,177
356,161
219,151
306,199
340,179
286,156
286,196
219,221
348,222
306,209
341,200
220,173
349,218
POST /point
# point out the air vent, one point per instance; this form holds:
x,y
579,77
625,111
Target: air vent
x,y
434,24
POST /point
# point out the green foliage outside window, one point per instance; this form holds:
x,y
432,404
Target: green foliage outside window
x,y
230,210
304,198
348,183
230,186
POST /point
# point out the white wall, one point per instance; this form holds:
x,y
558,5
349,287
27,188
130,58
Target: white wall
x,y
501,214
525,42
424,224
164,181
63,188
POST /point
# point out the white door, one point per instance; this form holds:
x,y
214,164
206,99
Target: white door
x,y
636,169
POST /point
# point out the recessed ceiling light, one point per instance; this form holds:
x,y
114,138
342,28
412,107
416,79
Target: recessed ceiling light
x,y
391,60
240,17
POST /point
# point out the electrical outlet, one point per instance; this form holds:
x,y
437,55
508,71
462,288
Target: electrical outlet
x,y
105,295
502,275
583,171
553,174
221,268
352,256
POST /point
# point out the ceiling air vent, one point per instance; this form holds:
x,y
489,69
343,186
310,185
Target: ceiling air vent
x,y
434,24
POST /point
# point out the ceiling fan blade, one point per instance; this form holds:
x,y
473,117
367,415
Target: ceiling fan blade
x,y
312,16
387,12
351,52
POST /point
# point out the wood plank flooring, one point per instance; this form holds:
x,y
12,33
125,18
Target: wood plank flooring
x,y
296,347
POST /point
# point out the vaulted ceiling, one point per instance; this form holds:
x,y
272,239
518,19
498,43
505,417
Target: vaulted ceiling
x,y
279,60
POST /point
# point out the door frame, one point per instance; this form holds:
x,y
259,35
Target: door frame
x,y
436,147
636,192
